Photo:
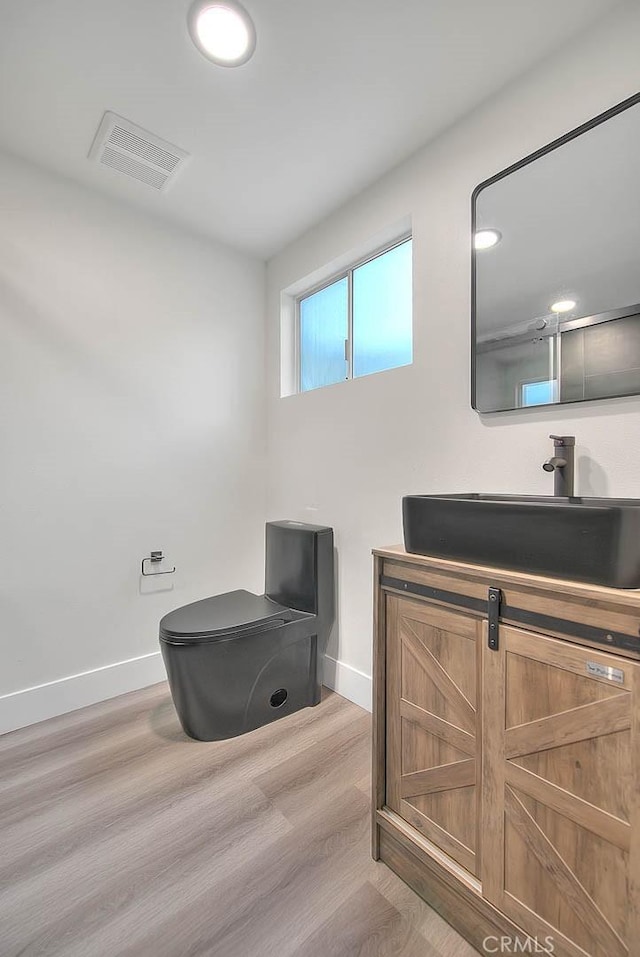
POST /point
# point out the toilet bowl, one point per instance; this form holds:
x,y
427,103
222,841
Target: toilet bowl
x,y
237,661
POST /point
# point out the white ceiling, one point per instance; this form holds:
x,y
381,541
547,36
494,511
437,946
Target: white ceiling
x,y
336,94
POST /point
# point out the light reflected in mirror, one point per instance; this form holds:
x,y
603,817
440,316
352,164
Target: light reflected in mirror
x,y
556,277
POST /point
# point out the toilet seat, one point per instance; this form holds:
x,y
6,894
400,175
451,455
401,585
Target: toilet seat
x,y
223,616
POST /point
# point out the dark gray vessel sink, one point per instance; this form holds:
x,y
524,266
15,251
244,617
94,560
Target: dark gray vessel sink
x,y
584,539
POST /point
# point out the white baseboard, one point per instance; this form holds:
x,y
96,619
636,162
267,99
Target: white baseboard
x,y
21,708
348,682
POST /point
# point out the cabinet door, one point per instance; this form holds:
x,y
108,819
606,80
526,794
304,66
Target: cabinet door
x,y
561,741
433,671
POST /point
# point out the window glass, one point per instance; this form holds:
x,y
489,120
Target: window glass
x,y
358,324
324,326
382,312
539,393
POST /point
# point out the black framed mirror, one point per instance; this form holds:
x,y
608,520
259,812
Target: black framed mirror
x,y
555,300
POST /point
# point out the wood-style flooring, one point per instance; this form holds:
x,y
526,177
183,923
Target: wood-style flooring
x,y
121,837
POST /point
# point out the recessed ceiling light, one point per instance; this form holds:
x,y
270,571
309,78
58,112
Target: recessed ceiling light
x,y
223,31
486,238
563,305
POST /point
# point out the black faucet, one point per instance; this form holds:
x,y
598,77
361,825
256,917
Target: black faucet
x,y
562,464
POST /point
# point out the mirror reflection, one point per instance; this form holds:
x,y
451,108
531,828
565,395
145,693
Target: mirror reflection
x,y
556,305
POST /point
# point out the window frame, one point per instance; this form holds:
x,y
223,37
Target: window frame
x,y
345,273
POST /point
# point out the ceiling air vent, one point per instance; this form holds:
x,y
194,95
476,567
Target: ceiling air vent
x,y
128,148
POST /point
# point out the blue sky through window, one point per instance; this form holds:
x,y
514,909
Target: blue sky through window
x,y
381,321
538,393
324,325
382,312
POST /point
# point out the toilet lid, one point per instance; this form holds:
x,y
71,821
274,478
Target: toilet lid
x,y
220,616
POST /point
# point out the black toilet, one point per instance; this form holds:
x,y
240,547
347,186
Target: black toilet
x,y
239,660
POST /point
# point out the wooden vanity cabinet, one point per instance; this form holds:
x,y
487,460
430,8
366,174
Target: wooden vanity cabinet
x,y
507,779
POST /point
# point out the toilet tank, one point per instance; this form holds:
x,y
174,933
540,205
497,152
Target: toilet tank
x,y
299,570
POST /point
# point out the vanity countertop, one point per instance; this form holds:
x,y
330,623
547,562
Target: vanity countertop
x,y
629,598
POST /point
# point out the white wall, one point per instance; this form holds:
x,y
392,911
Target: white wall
x,y
345,455
131,419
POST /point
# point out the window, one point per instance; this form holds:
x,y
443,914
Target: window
x,y
539,392
358,323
